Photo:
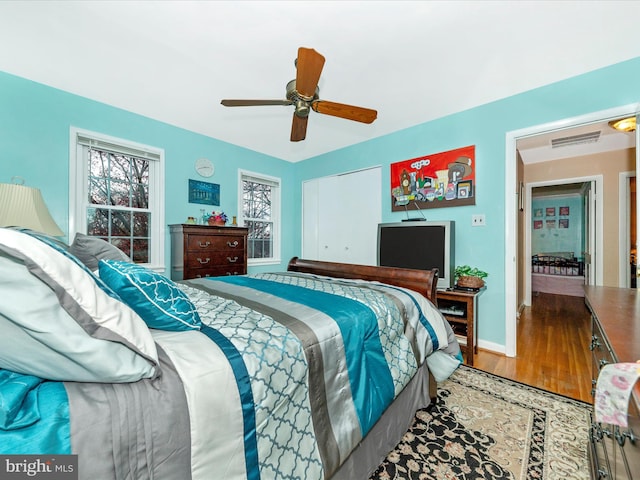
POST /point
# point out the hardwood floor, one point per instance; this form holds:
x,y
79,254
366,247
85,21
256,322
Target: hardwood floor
x,y
552,348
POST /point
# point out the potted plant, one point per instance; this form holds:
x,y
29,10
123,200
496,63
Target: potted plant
x,y
469,277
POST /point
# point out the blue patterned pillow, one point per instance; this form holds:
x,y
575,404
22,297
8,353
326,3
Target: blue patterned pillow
x,y
158,300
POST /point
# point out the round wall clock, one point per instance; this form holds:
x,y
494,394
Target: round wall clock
x,y
204,167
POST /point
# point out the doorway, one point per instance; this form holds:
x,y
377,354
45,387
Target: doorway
x,y
513,175
560,221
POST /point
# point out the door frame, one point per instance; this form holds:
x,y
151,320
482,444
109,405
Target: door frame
x,y
595,230
511,205
624,246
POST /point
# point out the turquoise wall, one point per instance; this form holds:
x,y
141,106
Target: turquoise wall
x,y
486,128
35,122
564,233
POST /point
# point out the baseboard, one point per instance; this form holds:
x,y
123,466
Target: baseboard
x,y
492,347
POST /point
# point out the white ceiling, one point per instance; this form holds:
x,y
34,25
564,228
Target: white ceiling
x,y
411,61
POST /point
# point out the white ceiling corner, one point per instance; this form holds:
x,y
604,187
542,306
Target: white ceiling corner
x,y
413,61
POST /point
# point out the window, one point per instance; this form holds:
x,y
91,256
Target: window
x,y
116,194
260,206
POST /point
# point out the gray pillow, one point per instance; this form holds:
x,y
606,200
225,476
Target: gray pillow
x,y
57,321
90,250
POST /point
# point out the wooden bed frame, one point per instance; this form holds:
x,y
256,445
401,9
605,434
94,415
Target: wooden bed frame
x,y
398,417
421,281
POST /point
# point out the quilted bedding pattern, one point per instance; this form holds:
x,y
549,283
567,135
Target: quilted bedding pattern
x,y
288,373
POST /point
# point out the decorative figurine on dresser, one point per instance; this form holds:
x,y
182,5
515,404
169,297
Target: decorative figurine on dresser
x,y
207,251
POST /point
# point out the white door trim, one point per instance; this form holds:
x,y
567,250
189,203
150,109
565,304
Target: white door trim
x,y
511,205
597,253
624,194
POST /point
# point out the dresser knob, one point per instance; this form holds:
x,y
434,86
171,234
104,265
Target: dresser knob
x,y
232,260
232,245
204,262
204,245
603,362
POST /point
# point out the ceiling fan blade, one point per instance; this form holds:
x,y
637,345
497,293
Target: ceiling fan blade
x,y
254,103
298,128
309,67
350,112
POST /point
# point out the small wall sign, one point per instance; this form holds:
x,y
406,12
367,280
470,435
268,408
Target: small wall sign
x,y
204,192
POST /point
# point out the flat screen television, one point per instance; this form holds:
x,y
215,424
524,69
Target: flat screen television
x,y
422,245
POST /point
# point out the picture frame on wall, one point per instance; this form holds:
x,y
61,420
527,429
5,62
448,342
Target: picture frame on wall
x,y
563,211
563,223
537,213
537,224
204,193
551,211
444,179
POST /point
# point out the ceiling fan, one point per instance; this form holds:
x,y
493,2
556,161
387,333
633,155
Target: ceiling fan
x,y
303,92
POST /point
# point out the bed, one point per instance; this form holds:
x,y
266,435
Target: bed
x,y
312,373
559,273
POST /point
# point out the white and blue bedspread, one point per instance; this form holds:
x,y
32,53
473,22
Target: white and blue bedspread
x,y
288,373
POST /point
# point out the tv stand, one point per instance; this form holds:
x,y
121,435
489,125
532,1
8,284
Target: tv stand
x,y
460,309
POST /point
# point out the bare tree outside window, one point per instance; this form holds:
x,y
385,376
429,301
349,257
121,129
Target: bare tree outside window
x,y
118,210
257,213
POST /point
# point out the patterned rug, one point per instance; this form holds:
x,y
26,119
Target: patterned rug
x,y
488,427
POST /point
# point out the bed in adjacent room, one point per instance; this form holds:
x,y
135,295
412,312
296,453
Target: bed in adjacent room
x,y
312,373
560,273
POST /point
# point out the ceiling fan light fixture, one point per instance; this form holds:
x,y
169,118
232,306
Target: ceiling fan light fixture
x,y
624,124
302,108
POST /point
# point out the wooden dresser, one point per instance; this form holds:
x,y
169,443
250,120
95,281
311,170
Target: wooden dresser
x,y
614,452
204,251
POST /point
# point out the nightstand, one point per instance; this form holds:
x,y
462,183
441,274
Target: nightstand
x,y
460,309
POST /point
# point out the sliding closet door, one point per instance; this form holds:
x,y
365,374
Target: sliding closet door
x,y
341,215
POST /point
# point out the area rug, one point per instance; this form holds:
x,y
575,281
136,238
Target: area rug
x,y
488,427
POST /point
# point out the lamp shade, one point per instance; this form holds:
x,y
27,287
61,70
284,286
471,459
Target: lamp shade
x,y
22,206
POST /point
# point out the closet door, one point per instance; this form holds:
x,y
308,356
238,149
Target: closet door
x,y
347,210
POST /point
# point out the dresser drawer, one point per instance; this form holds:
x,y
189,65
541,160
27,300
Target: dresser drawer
x,y
207,259
215,271
206,251
629,439
615,451
600,351
198,243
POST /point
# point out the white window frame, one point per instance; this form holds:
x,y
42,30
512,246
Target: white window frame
x,y
276,183
78,185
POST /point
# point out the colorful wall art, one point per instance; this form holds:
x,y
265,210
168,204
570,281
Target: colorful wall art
x,y
445,179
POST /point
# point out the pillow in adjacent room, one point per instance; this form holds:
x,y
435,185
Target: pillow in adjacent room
x,y
90,250
61,322
154,297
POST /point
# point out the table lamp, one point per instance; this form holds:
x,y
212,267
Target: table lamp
x,y
22,206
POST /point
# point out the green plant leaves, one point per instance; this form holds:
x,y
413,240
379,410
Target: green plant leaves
x,y
467,271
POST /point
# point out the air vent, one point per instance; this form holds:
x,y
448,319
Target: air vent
x,y
590,137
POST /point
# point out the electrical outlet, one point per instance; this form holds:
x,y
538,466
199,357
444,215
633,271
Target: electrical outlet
x,y
478,220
